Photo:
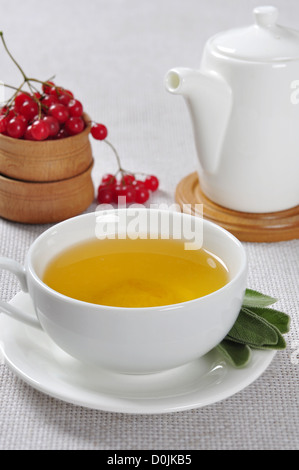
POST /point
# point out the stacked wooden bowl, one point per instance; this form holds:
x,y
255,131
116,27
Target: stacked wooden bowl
x,y
45,182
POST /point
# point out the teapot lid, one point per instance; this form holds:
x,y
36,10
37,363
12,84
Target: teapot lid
x,y
264,41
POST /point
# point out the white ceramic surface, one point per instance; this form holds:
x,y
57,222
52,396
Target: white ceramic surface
x,y
242,101
33,357
138,340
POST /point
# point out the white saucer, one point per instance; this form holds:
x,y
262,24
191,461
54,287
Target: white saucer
x,y
39,362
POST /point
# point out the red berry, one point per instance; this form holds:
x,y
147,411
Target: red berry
x,y
128,179
124,191
20,99
16,127
105,194
60,112
68,92
49,100
53,125
36,118
62,134
151,182
22,118
55,91
65,97
130,194
29,109
118,191
142,195
74,125
138,184
108,179
99,131
40,130
46,87
28,135
3,124
75,108
11,113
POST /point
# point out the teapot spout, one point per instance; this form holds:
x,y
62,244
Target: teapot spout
x,y
178,80
209,100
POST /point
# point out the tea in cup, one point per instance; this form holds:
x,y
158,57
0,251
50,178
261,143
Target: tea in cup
x,y
130,290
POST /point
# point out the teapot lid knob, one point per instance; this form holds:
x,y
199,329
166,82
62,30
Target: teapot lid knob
x,y
266,15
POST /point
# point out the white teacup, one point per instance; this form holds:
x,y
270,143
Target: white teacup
x,y
130,340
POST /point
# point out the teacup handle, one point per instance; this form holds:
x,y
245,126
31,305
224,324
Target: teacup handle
x,y
16,268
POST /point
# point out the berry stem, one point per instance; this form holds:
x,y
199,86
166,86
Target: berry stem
x,y
116,155
26,79
42,82
12,87
120,168
12,58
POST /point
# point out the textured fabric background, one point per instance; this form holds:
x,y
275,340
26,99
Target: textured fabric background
x,y
114,56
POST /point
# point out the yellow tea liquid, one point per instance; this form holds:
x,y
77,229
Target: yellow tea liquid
x,y
135,273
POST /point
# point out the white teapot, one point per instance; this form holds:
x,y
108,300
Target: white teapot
x,y
244,106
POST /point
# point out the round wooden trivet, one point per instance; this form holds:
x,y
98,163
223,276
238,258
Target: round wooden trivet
x,y
250,227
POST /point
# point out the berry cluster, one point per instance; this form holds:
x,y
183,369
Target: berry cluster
x,y
126,185
52,114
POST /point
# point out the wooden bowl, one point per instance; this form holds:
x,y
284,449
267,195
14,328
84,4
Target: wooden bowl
x,y
39,203
49,160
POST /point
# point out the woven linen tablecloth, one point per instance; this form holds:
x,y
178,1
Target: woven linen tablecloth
x,y
114,55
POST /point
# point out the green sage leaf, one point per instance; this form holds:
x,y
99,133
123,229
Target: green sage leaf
x,y
257,327
254,298
280,344
237,354
253,330
279,319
